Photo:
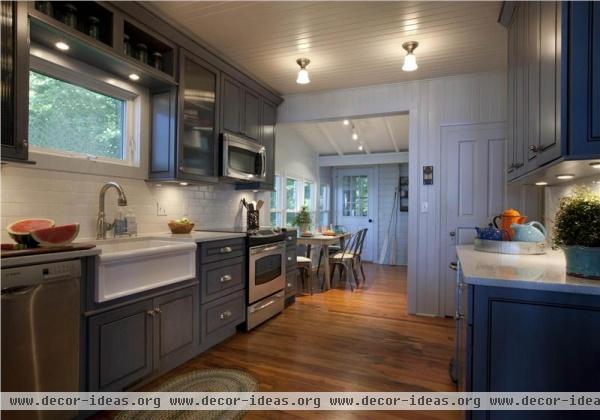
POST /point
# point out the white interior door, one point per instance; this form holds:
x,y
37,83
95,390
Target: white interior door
x,y
473,191
357,191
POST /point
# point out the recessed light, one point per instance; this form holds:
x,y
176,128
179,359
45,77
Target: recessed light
x,y
541,183
184,184
595,165
565,176
354,136
346,122
63,46
360,147
134,77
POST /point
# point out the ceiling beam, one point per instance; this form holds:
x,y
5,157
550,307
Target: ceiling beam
x,y
391,134
360,159
330,139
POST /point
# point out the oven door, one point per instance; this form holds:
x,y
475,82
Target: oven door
x,y
267,270
243,159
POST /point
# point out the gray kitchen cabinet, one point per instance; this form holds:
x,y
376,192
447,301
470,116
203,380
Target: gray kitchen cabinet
x,y
221,278
269,118
240,109
519,340
15,80
220,318
120,345
552,61
128,344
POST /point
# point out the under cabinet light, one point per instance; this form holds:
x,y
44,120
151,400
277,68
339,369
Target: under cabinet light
x,y
541,183
134,77
595,165
63,46
565,176
184,184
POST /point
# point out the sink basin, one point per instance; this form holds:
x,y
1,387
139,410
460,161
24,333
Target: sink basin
x,y
129,266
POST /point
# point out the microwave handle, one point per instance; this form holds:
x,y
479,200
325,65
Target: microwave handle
x,y
263,156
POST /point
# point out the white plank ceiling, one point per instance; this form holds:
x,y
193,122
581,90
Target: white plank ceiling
x,y
349,43
378,134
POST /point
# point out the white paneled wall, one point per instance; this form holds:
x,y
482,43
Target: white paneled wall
x,y
388,182
73,198
465,99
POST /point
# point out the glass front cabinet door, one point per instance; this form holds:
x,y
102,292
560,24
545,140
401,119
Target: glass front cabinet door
x,y
198,149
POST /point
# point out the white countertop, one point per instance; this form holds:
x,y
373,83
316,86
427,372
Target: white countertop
x,y
536,272
59,256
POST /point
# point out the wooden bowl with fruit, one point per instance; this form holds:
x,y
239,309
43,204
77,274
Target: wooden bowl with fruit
x,y
181,226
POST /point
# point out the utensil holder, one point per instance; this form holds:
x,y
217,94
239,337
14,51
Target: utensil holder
x,y
252,219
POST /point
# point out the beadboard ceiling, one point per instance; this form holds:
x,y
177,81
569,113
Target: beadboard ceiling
x,y
349,43
379,135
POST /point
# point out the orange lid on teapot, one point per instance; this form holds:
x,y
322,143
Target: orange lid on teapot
x,y
510,213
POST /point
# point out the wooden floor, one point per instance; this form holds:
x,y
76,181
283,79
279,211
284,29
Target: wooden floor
x,y
343,341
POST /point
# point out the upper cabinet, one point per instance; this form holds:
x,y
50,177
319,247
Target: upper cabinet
x,y
553,89
240,109
15,79
269,118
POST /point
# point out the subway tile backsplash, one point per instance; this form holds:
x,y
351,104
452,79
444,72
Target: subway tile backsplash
x,y
73,198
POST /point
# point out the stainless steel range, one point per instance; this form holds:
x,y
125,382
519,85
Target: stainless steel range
x,y
266,276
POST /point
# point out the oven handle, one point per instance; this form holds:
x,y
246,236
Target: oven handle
x,y
265,250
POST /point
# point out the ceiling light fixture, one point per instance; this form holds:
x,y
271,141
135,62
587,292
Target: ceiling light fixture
x,y
303,78
134,77
354,136
410,60
361,147
63,46
183,184
541,183
565,176
346,122
595,165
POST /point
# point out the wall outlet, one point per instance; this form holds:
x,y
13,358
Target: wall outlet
x,y
160,209
424,207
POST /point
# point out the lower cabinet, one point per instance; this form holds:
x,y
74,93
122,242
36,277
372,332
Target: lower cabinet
x,y
221,317
291,286
127,344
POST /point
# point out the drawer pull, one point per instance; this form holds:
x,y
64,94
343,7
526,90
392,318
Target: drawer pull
x,y
158,310
458,316
225,278
225,315
225,250
151,313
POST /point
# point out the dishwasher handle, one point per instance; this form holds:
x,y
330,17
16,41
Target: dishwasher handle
x,y
18,290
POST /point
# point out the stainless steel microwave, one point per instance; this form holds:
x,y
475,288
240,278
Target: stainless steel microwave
x,y
243,159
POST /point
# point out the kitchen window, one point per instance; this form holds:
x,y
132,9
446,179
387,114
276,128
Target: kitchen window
x,y
76,115
292,199
275,204
287,199
324,200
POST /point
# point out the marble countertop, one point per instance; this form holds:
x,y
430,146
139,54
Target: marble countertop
x,y
61,256
536,272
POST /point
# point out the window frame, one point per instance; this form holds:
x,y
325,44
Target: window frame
x,y
65,68
326,208
281,206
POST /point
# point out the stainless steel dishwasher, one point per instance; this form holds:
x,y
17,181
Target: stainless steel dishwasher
x,y
40,329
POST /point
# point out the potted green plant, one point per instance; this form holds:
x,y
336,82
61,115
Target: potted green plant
x,y
303,220
577,232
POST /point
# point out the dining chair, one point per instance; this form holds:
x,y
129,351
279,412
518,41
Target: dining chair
x,y
338,229
358,256
305,267
345,260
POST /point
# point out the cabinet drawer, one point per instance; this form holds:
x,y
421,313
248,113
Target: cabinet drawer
x,y
290,258
220,250
221,278
291,236
291,279
227,311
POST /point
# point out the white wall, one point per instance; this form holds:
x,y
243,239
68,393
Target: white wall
x,y
73,198
474,98
388,182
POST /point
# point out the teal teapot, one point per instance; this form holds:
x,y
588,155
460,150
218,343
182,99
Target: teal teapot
x,y
529,232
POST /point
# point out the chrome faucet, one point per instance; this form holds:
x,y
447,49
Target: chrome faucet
x,y
102,226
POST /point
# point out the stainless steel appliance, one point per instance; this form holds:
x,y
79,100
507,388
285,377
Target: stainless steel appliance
x,y
266,276
41,331
243,159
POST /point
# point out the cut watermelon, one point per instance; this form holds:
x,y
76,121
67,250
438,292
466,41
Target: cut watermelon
x,y
56,236
20,230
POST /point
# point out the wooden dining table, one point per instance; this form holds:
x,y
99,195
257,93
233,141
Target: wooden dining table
x,y
324,242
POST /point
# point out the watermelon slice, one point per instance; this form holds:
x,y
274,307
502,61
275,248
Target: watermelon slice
x,y
57,235
20,230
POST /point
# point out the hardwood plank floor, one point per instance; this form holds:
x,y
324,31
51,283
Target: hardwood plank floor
x,y
343,341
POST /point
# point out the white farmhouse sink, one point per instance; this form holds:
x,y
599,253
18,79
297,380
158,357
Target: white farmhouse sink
x,y
128,266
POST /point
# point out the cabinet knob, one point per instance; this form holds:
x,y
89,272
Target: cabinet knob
x,y
225,278
225,250
158,310
151,313
533,148
225,315
458,316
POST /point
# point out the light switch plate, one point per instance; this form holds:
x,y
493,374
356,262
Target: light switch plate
x,y
160,209
424,206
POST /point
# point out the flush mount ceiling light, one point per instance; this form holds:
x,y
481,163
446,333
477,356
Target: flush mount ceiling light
x,y
565,176
134,77
541,183
303,78
63,46
595,165
410,60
